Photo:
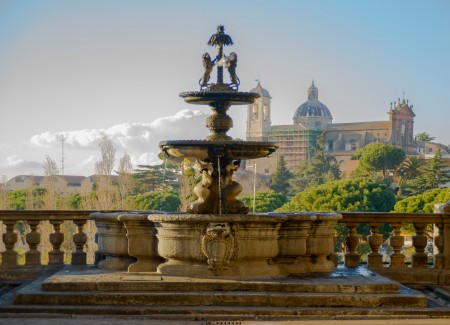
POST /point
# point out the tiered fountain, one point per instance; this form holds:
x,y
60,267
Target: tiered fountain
x,y
215,260
216,236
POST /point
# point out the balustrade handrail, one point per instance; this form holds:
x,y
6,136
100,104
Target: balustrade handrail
x,y
392,217
40,215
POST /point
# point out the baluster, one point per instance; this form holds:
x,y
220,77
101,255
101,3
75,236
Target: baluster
x,y
33,256
439,243
419,241
9,256
375,259
352,258
79,239
56,256
397,242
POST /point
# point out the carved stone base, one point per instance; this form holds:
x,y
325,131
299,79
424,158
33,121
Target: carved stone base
x,y
56,258
352,260
119,263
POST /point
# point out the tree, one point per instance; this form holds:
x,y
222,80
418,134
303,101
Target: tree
x,y
149,178
106,194
423,202
433,174
354,195
50,171
322,168
125,184
265,201
107,157
280,178
409,170
163,200
361,195
379,157
424,137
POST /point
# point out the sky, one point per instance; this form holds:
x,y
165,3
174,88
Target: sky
x,y
83,69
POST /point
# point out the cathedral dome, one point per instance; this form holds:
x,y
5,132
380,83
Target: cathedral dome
x,y
312,107
260,90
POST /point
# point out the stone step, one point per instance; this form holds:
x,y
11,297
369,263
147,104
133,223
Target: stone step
x,y
350,282
226,312
220,298
161,284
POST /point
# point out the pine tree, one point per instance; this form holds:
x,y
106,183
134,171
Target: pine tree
x,y
322,168
280,178
433,174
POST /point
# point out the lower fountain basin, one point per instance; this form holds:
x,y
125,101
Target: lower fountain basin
x,y
209,149
211,245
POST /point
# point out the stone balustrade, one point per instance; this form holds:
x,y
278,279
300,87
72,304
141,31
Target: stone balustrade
x,y
131,241
425,267
10,268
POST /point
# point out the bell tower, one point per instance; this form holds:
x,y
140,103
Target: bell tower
x,y
258,116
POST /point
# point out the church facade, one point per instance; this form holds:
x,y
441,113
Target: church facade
x,y
311,118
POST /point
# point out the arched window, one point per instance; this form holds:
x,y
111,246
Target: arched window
x,y
255,112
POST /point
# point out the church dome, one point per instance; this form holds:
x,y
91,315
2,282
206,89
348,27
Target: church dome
x,y
260,90
312,107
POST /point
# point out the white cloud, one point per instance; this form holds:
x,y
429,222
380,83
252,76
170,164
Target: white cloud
x,y
131,136
139,140
14,165
11,161
87,161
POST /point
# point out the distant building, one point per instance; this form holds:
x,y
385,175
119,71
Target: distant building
x,y
88,183
63,184
21,182
296,140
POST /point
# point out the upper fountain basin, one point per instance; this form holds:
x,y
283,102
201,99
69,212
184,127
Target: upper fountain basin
x,y
208,97
209,149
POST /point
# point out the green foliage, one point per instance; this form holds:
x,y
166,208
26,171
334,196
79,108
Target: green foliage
x,y
150,178
321,169
408,171
265,201
424,137
423,202
17,199
164,200
280,178
433,173
75,200
378,157
345,196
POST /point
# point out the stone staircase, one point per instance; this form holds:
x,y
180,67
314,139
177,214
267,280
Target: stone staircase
x,y
344,293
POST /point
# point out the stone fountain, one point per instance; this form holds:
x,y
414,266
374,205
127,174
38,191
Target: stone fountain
x,y
215,260
216,236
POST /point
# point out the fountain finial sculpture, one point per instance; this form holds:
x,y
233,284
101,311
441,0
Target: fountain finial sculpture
x,y
219,156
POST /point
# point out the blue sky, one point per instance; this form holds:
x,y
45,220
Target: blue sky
x,y
87,68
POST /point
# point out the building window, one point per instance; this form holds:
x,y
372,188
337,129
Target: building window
x,y
255,112
330,145
266,112
350,145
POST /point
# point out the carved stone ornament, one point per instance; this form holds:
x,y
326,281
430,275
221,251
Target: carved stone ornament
x,y
218,246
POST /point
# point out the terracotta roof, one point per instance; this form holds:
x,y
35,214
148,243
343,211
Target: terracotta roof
x,y
358,126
